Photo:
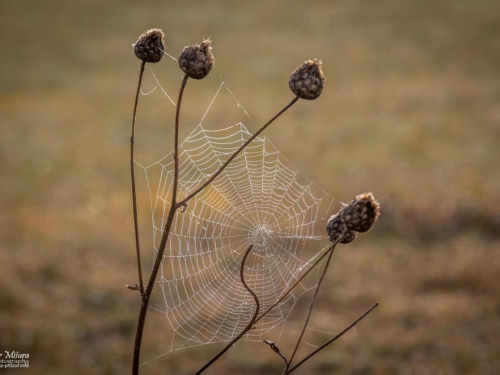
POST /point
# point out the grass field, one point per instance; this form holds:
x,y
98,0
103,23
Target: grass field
x,y
411,111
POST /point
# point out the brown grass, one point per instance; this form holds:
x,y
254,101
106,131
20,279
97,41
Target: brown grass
x,y
410,111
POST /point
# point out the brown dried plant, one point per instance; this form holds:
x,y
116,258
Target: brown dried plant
x,y
306,82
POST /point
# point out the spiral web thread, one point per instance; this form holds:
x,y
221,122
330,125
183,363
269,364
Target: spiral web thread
x,y
259,200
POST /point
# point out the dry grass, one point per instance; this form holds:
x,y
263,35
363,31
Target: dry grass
x,y
410,112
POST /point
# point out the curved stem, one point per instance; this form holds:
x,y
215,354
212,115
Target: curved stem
x,y
161,249
249,325
219,171
132,173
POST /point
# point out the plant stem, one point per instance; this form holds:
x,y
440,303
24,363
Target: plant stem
x,y
249,325
311,307
176,144
256,319
161,249
219,171
330,249
331,340
275,349
132,173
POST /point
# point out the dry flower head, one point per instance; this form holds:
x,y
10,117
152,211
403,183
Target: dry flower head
x,y
336,228
197,60
361,213
308,80
150,46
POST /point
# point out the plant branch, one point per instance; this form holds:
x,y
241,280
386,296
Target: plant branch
x,y
311,307
176,143
132,173
277,350
330,249
161,249
249,325
219,171
331,340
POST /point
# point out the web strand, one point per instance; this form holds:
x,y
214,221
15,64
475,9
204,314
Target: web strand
x,y
260,199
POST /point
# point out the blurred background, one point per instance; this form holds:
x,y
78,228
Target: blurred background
x,y
411,111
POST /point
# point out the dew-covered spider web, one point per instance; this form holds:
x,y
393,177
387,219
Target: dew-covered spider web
x,y
260,199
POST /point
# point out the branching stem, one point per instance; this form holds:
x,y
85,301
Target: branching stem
x,y
175,205
161,249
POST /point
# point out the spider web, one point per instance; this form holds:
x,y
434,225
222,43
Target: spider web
x,y
260,199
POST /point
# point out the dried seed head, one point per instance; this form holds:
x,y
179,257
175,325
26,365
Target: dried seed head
x,y
336,227
307,80
197,60
361,213
150,46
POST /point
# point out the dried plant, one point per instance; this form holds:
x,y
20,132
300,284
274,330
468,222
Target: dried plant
x,y
306,82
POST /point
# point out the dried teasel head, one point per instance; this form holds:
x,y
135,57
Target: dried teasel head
x,y
336,227
308,80
150,46
361,213
197,60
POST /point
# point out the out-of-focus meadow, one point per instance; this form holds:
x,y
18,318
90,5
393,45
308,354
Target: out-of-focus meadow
x,y
411,111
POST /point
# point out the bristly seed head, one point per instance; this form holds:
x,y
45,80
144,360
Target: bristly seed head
x,y
197,60
150,46
361,213
308,80
335,228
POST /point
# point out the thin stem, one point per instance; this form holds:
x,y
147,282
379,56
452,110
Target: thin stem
x,y
249,325
330,249
161,249
219,171
331,340
132,173
311,307
275,349
176,143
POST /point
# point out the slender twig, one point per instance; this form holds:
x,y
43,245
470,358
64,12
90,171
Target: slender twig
x,y
331,340
330,249
176,143
219,171
132,173
249,325
161,249
311,307
277,350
